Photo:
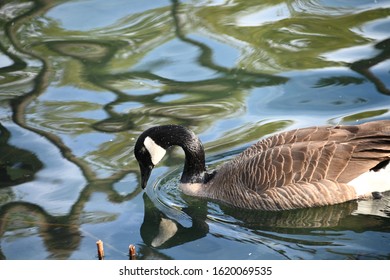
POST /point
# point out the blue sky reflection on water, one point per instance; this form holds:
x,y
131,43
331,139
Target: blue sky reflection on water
x,y
72,14
76,93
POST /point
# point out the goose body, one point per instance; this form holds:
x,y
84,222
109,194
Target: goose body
x,y
301,168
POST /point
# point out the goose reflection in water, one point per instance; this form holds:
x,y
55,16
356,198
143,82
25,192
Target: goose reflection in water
x,y
161,231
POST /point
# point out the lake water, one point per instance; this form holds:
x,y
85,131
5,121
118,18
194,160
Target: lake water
x,y
80,80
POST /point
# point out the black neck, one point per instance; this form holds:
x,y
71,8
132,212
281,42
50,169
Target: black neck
x,y
194,167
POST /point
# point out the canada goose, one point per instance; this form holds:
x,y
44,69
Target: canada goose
x,y
301,168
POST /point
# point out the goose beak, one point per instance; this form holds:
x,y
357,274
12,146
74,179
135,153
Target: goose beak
x,y
145,174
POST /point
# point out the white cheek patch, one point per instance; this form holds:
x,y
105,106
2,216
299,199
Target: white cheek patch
x,y
166,230
155,151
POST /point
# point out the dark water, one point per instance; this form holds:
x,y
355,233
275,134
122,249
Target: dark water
x,y
80,80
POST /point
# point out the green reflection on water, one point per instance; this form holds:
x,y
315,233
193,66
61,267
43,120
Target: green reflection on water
x,y
233,72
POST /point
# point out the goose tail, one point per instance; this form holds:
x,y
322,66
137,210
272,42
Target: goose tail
x,y
372,183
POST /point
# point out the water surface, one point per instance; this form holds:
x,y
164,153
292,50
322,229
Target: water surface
x,y
80,80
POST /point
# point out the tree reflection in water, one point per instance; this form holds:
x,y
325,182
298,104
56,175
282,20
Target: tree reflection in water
x,y
89,94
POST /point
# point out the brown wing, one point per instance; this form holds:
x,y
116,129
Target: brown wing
x,y
335,153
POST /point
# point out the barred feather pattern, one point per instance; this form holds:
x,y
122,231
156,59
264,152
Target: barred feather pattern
x,y
301,168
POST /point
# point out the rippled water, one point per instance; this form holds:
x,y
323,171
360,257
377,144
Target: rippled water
x,y
80,80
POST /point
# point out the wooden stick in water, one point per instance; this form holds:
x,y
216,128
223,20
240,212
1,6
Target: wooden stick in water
x,y
100,249
132,252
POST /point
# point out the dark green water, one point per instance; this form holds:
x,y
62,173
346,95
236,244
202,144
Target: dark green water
x,y
80,80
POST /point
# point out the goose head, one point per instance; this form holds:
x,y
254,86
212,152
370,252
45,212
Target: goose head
x,y
151,147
